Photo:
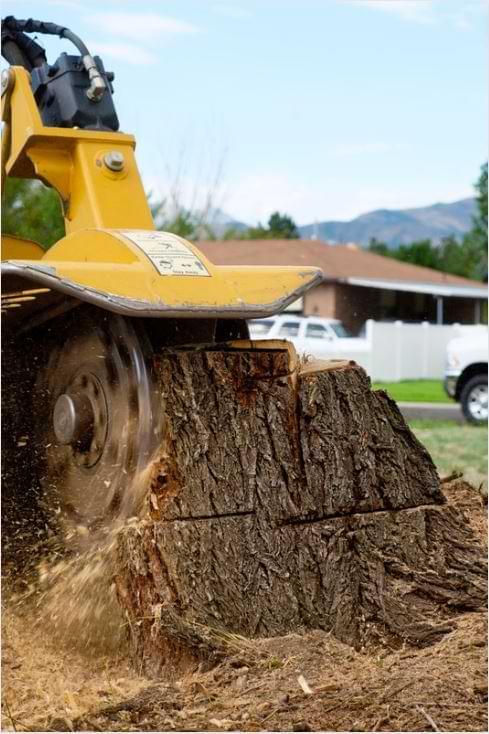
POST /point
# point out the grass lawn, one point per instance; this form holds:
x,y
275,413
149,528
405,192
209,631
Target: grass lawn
x,y
415,391
455,447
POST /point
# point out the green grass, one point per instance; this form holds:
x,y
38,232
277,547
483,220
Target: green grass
x,y
455,448
415,391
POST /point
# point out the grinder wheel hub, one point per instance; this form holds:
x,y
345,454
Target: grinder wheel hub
x,y
99,419
80,419
71,418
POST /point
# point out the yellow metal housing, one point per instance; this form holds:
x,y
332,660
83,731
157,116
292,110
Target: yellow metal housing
x,y
107,268
109,256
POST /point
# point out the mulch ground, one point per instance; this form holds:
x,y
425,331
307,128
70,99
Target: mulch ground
x,y
294,683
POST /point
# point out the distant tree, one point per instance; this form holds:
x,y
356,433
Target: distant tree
x,y
450,256
280,227
255,233
33,211
232,233
421,252
181,222
481,188
463,258
379,248
475,241
453,256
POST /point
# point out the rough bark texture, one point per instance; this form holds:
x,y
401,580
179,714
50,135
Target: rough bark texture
x,y
286,500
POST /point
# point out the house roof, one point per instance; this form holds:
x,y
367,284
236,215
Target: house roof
x,y
342,263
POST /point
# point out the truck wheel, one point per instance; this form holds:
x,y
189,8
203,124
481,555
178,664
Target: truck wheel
x,y
473,399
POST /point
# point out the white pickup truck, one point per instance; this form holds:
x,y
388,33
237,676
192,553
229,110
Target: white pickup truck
x,y
311,335
466,374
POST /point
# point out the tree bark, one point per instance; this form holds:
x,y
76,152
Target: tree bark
x,y
286,498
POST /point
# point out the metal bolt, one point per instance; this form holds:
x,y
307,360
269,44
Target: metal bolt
x,y
114,160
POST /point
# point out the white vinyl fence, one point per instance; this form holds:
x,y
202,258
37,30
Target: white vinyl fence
x,y
400,351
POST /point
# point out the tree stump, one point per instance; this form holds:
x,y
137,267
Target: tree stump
x,y
288,497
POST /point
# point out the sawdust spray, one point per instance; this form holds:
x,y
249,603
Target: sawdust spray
x,y
72,596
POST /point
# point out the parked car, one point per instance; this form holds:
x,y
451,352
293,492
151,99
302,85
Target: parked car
x,y
466,374
311,335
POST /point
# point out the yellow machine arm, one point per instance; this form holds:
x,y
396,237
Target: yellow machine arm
x,y
82,390
111,255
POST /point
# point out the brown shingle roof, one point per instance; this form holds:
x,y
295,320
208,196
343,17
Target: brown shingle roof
x,y
336,261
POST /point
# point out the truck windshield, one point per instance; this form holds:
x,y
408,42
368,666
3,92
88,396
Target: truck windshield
x,y
261,327
340,330
289,328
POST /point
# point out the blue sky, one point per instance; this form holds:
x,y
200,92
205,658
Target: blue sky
x,y
323,109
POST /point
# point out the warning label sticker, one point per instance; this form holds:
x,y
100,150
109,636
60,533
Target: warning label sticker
x,y
169,254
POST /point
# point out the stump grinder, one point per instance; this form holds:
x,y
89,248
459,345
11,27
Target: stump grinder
x,y
84,320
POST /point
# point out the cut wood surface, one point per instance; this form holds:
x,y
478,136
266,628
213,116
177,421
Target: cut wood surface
x,y
286,498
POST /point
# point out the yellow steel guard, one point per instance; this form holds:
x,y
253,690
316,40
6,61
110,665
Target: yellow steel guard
x,y
112,256
108,268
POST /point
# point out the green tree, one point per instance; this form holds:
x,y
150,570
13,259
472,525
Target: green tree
x,y
232,233
181,221
450,256
475,241
280,227
453,256
379,248
32,211
255,233
481,188
421,252
461,258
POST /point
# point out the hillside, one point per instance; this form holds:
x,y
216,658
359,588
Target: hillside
x,y
398,226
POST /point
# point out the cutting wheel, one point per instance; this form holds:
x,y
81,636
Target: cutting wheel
x,y
99,421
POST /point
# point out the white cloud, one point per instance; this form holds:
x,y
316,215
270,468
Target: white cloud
x,y
418,11
128,52
466,14
459,13
138,26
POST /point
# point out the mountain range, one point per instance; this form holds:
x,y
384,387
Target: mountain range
x,y
392,226
398,226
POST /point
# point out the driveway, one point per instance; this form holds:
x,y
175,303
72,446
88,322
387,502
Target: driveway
x,y
432,411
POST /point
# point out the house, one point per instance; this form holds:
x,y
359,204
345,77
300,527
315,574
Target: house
x,y
358,284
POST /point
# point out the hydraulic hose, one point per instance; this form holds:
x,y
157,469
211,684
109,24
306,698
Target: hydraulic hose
x,y
47,29
13,31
